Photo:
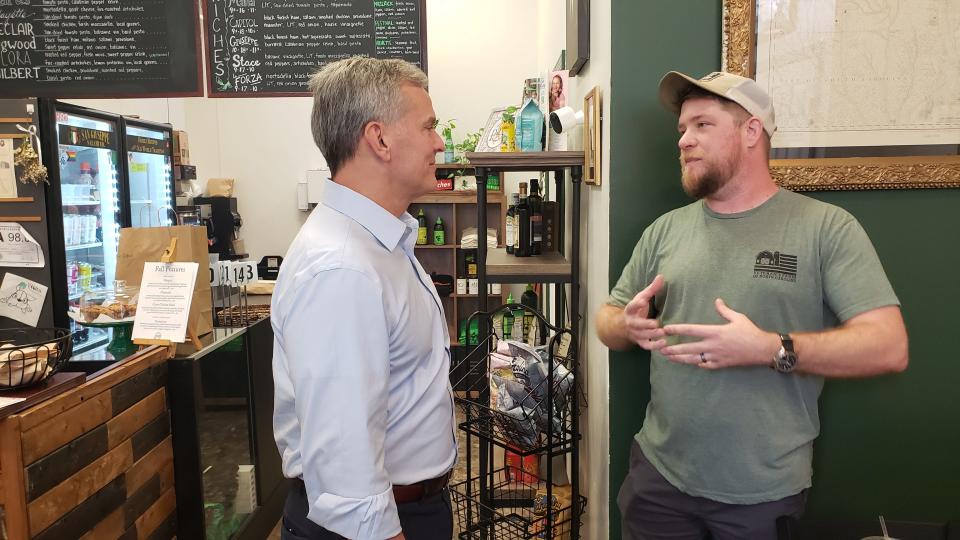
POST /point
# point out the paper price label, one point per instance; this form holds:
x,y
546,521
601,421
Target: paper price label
x,y
243,273
214,273
224,278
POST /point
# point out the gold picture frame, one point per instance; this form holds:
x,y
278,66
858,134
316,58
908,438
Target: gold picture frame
x,y
820,174
592,151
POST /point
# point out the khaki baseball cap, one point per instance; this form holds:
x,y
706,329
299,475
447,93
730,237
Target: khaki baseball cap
x,y
740,90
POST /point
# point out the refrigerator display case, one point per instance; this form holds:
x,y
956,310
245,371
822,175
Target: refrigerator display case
x,y
149,173
85,205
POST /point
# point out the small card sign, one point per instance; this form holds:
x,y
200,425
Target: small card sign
x,y
235,274
164,304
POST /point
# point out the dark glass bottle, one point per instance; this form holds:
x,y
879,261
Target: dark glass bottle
x,y
522,247
511,236
535,201
529,299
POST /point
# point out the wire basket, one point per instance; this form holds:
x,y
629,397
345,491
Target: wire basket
x,y
512,509
28,356
242,315
516,406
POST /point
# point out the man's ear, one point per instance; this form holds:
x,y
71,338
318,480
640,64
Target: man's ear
x,y
374,137
753,130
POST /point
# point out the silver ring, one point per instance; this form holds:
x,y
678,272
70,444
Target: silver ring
x,y
703,359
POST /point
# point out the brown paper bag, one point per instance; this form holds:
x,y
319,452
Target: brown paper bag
x,y
220,187
146,244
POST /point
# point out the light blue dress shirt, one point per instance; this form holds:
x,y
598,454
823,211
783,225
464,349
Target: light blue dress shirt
x,y
361,365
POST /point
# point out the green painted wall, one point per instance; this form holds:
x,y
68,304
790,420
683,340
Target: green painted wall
x,y
889,445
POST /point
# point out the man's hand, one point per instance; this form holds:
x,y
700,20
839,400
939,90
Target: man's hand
x,y
737,343
640,328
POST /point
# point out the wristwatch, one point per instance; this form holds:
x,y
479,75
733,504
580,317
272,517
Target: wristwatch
x,y
786,359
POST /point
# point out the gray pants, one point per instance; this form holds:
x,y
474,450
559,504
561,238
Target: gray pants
x,y
652,509
429,519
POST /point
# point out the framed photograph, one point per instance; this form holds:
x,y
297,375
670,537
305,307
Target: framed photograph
x,y
559,81
864,98
592,118
490,137
578,34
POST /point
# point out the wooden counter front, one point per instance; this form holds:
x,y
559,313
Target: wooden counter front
x,y
95,461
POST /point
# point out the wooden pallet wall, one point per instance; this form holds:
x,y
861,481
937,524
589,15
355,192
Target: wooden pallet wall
x,y
94,462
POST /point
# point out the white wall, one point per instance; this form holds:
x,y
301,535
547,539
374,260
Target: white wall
x,y
595,247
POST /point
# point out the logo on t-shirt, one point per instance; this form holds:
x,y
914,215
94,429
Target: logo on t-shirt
x,y
775,265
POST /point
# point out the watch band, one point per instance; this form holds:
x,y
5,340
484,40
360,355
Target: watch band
x,y
786,359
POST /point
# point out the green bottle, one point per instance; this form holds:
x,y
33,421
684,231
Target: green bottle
x,y
508,319
529,299
422,229
517,321
439,238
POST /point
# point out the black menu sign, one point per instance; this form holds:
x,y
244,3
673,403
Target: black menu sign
x,y
99,48
270,47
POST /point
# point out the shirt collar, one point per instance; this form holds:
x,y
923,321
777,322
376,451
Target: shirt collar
x,y
384,226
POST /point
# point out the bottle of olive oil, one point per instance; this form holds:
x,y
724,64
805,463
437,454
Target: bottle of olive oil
x,y
421,228
522,246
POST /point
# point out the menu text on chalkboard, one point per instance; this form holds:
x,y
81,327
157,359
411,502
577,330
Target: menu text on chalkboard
x,y
270,47
99,48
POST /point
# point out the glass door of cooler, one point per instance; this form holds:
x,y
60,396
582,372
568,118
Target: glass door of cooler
x,y
88,150
149,168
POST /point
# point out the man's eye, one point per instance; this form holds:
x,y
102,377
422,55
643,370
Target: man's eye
x,y
435,124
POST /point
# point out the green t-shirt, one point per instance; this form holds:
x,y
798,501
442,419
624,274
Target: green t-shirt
x,y
793,264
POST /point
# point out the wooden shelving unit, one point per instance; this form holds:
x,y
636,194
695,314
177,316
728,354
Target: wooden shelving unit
x,y
458,210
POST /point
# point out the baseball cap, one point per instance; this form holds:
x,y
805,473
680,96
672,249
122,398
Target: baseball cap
x,y
740,90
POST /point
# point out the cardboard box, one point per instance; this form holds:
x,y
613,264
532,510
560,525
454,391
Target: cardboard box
x,y
181,148
184,172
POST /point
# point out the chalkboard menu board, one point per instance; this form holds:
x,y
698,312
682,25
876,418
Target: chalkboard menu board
x,y
99,48
270,47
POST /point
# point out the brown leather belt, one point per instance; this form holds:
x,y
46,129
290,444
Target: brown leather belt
x,y
420,490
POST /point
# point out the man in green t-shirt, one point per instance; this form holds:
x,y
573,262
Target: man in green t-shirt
x,y
747,299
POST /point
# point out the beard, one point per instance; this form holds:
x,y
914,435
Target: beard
x,y
712,178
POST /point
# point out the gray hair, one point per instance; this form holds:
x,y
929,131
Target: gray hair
x,y
350,93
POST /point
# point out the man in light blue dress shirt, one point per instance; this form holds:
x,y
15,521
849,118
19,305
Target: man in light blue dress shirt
x,y
363,414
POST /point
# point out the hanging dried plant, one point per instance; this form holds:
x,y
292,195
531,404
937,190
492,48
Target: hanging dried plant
x,y
31,169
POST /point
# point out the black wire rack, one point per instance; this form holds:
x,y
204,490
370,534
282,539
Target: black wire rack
x,y
517,509
522,402
537,418
28,356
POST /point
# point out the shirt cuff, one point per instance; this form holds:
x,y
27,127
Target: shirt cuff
x,y
373,517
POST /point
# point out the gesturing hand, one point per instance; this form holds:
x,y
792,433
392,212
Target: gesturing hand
x,y
737,343
641,329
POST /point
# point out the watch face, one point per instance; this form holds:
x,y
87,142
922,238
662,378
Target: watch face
x,y
786,362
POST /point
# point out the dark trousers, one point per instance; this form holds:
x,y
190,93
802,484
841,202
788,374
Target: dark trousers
x,y
431,518
651,508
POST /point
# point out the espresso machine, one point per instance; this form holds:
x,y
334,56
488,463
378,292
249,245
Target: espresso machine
x,y
223,225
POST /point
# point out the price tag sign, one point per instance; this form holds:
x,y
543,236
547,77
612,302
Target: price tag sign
x,y
214,274
224,278
18,248
243,273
